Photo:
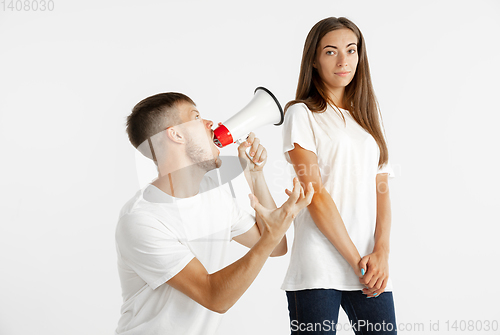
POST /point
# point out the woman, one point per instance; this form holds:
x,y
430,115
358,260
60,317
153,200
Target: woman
x,y
333,137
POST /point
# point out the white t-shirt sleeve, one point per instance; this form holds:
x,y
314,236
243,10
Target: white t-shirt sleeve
x,y
241,220
150,249
386,168
297,128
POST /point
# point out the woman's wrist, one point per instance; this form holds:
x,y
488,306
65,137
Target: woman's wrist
x,y
354,259
382,248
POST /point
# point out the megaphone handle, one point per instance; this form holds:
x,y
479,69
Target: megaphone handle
x,y
241,140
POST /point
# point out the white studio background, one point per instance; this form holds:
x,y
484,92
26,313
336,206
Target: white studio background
x,y
70,76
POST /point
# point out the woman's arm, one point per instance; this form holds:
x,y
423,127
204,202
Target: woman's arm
x,y
383,227
378,261
322,208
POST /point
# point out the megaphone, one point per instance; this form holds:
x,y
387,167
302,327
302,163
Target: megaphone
x,y
263,109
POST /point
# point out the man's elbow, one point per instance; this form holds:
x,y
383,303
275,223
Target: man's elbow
x,y
215,301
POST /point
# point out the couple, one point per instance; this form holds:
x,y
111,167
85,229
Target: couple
x,y
173,234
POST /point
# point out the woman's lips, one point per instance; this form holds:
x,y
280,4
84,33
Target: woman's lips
x,y
342,74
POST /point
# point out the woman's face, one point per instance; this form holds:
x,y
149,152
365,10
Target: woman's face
x,y
337,58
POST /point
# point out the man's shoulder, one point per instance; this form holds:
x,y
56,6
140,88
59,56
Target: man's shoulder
x,y
140,224
134,205
130,204
137,210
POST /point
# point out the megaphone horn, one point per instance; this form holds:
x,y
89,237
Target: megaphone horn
x,y
263,109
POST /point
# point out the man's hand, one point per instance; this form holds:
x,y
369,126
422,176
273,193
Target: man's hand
x,y
220,290
257,152
277,221
376,266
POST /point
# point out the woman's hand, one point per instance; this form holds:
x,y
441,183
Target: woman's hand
x,y
257,152
376,269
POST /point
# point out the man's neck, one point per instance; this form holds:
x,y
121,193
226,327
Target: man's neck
x,y
182,183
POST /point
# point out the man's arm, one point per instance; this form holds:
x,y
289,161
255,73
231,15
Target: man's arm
x,y
255,177
220,290
251,237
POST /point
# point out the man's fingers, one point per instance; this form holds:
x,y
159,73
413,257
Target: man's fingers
x,y
295,191
293,196
254,202
263,156
254,148
305,199
257,157
242,147
297,200
309,193
250,137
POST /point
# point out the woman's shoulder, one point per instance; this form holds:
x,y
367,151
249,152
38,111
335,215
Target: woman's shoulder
x,y
298,109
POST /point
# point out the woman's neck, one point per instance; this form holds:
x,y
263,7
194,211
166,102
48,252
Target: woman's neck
x,y
336,95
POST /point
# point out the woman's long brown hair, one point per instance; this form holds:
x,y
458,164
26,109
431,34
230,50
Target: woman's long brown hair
x,y
359,96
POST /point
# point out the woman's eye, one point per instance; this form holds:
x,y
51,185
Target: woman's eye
x,y
352,51
329,53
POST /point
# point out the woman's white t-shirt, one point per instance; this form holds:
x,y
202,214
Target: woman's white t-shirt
x,y
348,161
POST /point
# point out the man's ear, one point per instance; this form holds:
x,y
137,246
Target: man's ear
x,y
173,134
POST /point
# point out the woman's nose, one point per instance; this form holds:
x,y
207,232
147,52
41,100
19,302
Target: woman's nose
x,y
342,60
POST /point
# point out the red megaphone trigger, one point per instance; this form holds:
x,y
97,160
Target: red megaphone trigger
x,y
222,136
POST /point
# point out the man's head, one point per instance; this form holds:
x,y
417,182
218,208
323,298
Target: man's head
x,y
168,126
153,115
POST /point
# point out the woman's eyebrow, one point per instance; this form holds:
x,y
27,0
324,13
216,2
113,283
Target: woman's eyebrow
x,y
332,46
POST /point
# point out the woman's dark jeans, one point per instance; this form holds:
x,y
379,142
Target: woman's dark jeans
x,y
316,312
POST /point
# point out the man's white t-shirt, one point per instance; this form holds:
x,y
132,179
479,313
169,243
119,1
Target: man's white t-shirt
x,y
156,237
348,161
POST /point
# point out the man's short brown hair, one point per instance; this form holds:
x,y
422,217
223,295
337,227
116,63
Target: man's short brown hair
x,y
153,115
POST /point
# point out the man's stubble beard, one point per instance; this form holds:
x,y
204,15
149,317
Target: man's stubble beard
x,y
200,157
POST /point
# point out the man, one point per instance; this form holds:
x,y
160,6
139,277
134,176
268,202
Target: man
x,y
172,235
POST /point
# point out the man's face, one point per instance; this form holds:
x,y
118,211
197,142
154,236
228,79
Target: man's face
x,y
199,135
